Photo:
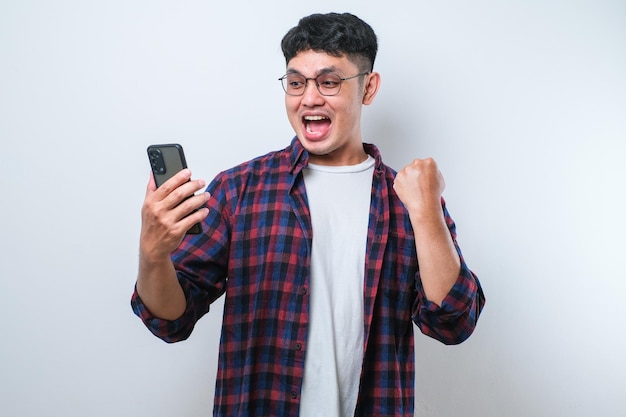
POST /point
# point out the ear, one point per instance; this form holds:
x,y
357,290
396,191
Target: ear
x,y
372,83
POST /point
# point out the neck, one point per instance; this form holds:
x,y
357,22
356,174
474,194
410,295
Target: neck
x,y
352,154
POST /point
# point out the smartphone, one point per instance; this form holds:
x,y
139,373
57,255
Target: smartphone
x,y
165,161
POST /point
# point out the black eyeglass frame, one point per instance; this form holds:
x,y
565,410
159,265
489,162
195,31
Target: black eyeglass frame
x,y
317,84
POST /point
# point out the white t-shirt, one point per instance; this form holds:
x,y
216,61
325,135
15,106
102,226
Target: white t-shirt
x,y
339,201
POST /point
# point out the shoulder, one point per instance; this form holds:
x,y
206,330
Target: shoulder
x,y
271,164
380,167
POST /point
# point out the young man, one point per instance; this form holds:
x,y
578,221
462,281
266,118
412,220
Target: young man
x,y
326,256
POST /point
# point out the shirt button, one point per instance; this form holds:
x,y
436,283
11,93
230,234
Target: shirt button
x,y
303,290
298,346
294,395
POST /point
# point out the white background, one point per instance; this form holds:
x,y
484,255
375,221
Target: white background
x,y
523,104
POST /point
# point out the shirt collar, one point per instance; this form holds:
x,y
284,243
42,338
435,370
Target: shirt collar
x,y
299,157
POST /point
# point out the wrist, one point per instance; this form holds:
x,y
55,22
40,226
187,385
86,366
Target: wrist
x,y
153,258
431,211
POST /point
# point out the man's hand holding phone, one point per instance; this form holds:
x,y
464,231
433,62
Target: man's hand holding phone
x,y
169,211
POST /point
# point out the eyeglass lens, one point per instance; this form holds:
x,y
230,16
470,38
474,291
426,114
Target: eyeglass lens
x,y
327,84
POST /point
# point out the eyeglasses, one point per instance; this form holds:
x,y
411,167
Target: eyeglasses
x,y
328,84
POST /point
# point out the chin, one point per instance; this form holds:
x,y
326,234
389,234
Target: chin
x,y
315,147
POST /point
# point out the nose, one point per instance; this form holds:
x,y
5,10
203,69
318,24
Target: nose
x,y
311,96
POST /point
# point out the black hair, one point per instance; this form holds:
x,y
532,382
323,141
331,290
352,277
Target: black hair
x,y
336,34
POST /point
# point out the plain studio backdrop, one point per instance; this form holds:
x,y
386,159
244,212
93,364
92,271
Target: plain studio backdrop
x,y
523,105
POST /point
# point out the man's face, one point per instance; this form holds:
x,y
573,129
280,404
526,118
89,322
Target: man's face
x,y
329,127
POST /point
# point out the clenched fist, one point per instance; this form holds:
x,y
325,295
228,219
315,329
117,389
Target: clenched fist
x,y
419,186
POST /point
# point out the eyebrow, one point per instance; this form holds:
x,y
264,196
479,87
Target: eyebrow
x,y
326,70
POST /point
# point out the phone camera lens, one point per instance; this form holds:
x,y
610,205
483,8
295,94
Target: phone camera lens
x,y
157,161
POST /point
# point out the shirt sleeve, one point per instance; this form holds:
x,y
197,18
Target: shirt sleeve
x,y
454,321
201,267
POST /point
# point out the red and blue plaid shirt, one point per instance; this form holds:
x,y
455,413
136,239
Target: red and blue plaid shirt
x,y
256,248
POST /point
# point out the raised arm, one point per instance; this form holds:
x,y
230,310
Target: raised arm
x,y
420,186
165,218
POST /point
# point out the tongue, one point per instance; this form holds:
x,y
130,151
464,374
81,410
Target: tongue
x,y
317,126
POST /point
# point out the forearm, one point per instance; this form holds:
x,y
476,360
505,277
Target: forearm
x,y
159,289
419,186
439,262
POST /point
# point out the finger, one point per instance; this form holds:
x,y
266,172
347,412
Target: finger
x,y
189,205
151,187
176,181
195,217
183,192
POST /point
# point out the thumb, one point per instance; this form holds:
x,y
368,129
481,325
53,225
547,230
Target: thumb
x,y
151,184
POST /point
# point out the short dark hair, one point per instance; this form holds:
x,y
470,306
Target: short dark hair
x,y
336,34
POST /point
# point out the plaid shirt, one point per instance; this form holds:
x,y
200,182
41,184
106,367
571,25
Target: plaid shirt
x,y
256,248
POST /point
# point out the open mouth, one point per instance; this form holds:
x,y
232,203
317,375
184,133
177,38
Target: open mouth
x,y
316,124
